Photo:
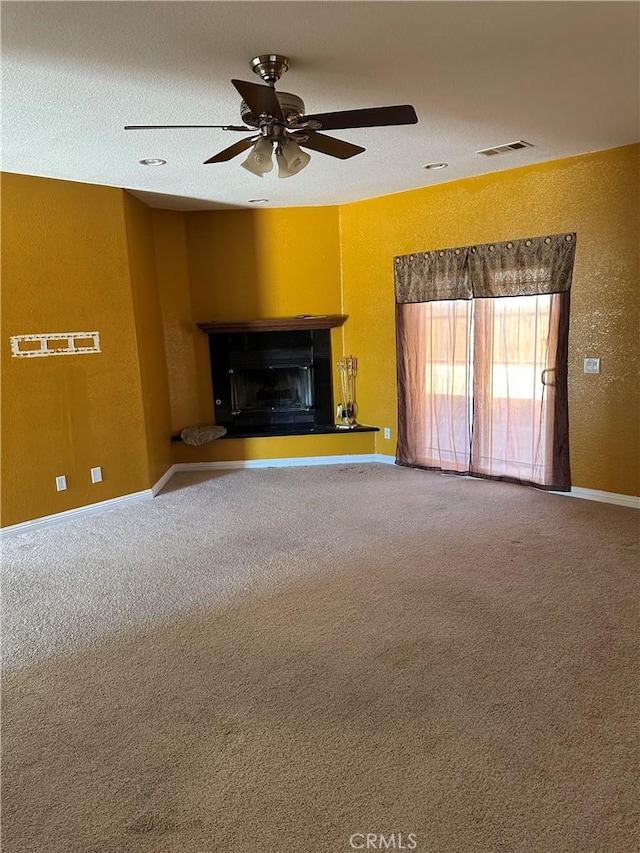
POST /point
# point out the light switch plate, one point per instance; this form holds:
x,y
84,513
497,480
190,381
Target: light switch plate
x,y
96,475
592,365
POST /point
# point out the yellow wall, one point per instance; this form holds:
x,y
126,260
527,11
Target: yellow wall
x,y
596,196
65,268
247,264
149,336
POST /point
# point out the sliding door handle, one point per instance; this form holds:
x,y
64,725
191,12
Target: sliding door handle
x,y
542,376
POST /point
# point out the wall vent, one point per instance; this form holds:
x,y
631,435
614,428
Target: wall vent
x,y
503,149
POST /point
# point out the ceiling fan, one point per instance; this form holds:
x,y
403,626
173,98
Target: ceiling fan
x,y
282,124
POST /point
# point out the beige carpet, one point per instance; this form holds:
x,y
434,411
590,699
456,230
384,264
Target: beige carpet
x,y
272,661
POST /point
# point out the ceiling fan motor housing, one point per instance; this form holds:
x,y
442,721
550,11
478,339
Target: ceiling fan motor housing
x,y
292,108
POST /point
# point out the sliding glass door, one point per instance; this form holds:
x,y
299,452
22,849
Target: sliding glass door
x,y
477,388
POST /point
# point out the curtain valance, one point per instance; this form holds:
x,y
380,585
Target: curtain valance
x,y
534,265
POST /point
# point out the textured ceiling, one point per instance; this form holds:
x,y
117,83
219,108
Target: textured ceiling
x,y
561,75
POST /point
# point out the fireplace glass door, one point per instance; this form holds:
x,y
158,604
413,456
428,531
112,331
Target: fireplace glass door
x,y
271,389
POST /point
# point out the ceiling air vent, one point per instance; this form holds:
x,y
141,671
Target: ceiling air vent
x,y
503,149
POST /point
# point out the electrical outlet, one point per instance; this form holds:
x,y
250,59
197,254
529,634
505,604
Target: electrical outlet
x,y
61,483
387,432
592,365
96,475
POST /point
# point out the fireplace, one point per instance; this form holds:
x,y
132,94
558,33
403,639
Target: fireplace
x,y
272,381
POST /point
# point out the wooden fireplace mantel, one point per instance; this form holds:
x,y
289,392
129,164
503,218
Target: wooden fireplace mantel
x,y
275,324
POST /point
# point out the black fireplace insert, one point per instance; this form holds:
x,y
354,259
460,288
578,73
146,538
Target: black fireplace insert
x,y
268,382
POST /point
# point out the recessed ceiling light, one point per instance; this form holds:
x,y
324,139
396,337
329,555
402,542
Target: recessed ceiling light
x,y
258,200
152,161
435,166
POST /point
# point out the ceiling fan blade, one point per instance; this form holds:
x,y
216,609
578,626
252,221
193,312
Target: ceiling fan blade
x,y
329,145
232,151
260,99
185,126
372,117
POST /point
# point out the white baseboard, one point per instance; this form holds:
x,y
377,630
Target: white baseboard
x,y
70,514
602,497
162,482
291,461
386,460
287,462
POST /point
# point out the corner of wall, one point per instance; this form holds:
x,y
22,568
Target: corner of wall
x,y
152,363
184,344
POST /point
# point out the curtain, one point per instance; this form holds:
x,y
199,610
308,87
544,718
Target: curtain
x,y
434,385
519,433
482,344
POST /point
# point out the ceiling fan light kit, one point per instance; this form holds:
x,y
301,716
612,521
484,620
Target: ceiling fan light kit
x,y
259,162
291,159
284,125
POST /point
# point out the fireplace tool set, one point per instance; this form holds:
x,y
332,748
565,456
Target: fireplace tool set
x,y
348,408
